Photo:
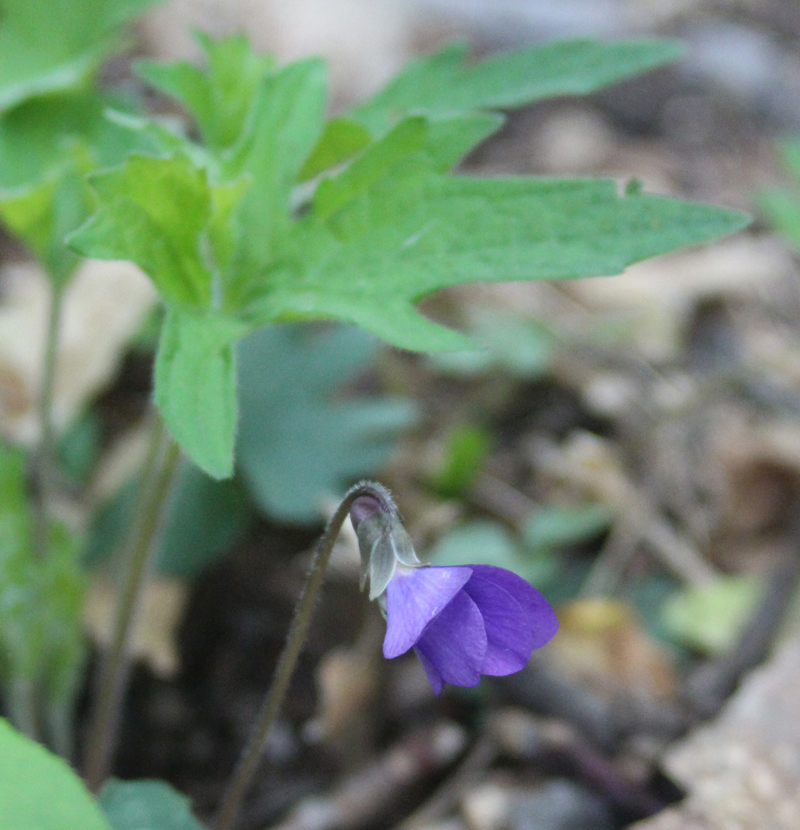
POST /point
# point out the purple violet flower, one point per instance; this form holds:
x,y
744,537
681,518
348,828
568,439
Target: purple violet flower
x,y
461,621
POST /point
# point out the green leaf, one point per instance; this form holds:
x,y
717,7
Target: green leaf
x,y
465,451
41,608
284,125
38,791
489,543
413,232
38,136
408,137
47,145
341,139
445,83
154,212
476,543
195,386
298,440
554,526
709,618
221,96
781,205
50,45
782,209
42,215
146,805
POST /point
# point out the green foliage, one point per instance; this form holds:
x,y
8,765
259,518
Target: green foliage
x,y
556,527
782,204
47,145
146,805
41,606
50,45
445,83
162,235
40,135
534,552
518,347
341,139
710,618
196,385
219,99
223,227
465,451
299,440
38,791
485,542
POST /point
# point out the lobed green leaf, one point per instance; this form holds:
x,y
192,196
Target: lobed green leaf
x,y
445,84
154,212
413,232
220,97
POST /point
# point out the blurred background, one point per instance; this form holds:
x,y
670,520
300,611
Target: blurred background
x,y
630,444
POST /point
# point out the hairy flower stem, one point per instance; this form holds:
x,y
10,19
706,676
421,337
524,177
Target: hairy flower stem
x,y
137,554
248,763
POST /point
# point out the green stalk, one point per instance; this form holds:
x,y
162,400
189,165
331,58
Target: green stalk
x,y
45,453
248,763
152,502
22,706
25,693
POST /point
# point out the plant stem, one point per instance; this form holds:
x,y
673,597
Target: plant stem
x,y
22,707
45,453
248,763
151,507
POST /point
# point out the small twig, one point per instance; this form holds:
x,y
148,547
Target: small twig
x,y
501,498
364,796
607,570
152,502
592,465
248,764
470,770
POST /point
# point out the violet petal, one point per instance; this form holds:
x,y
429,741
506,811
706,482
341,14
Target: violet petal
x,y
455,642
508,629
432,673
542,618
413,599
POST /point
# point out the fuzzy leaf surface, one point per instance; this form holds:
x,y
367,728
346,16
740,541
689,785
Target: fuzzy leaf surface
x,y
445,83
411,232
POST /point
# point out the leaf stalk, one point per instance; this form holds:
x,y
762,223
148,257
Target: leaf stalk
x,y
137,555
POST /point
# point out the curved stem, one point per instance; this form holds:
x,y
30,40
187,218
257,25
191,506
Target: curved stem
x,y
248,763
152,502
